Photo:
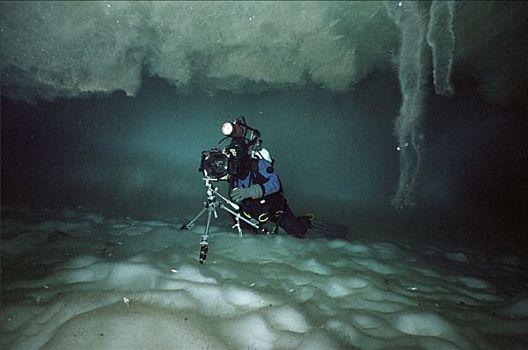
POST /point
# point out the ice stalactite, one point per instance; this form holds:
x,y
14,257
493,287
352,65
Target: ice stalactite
x,y
413,76
441,38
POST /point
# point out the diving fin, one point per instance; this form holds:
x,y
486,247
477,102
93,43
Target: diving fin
x,y
328,229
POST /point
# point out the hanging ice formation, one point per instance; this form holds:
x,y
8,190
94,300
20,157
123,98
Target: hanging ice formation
x,y
413,75
441,39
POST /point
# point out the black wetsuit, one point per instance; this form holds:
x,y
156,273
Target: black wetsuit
x,y
272,206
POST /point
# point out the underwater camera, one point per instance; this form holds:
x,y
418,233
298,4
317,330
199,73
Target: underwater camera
x,y
218,164
221,163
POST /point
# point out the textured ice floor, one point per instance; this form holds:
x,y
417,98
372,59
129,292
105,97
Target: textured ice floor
x,y
84,281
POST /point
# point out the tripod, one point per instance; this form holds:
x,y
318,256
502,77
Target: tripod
x,y
210,206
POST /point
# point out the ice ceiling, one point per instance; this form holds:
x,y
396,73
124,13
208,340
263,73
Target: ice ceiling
x,y
69,48
52,49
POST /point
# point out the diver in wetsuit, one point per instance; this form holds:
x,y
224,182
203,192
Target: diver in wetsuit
x,y
258,189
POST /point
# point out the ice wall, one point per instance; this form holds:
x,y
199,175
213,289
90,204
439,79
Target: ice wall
x,y
414,67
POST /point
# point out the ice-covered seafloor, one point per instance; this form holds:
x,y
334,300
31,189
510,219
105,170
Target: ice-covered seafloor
x,y
84,281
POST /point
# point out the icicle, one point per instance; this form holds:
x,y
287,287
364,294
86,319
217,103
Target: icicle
x,y
413,69
413,75
441,39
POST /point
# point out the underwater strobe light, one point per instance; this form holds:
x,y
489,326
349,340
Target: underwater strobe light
x,y
234,130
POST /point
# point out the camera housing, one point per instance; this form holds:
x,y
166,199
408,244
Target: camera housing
x,y
218,164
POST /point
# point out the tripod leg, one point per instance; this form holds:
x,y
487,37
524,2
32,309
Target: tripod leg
x,y
252,222
204,241
237,226
211,210
190,224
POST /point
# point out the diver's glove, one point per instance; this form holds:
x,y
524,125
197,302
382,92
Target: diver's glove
x,y
253,191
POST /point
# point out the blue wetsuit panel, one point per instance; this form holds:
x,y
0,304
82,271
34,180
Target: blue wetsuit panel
x,y
272,183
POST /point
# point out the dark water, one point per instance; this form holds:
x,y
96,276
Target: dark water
x,y
335,153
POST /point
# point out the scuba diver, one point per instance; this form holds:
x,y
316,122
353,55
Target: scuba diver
x,y
253,185
257,188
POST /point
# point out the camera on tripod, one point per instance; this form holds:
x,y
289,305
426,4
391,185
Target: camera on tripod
x,y
217,164
222,163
